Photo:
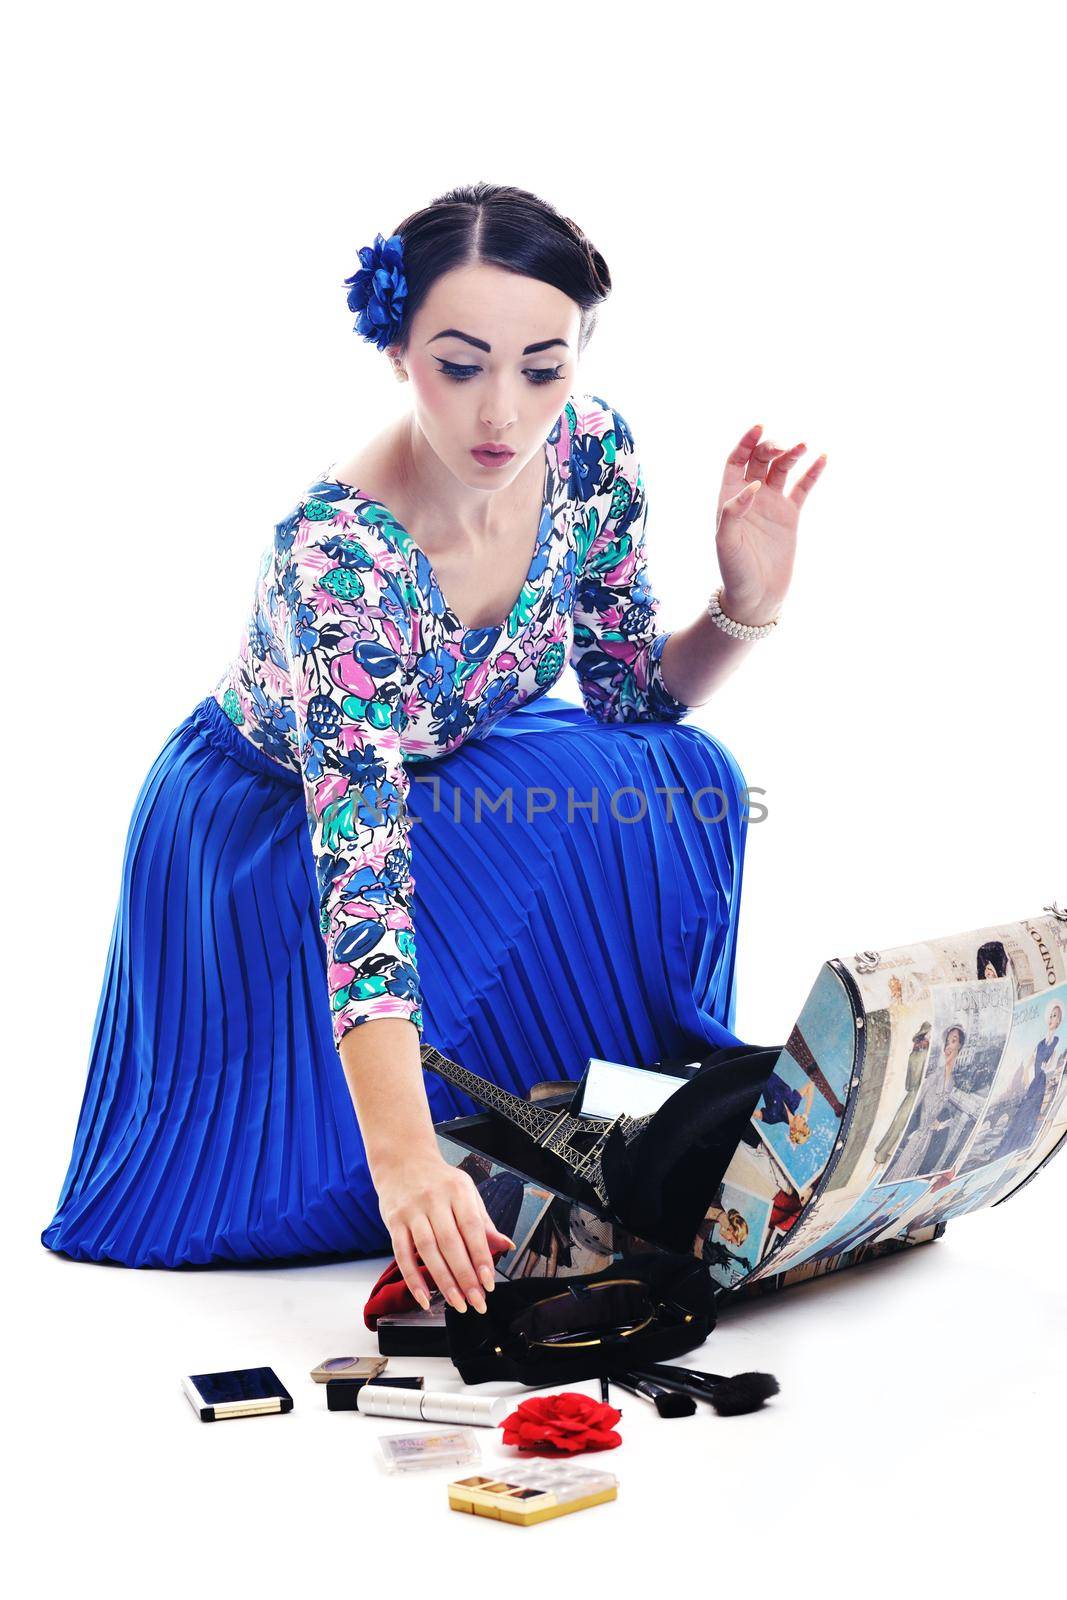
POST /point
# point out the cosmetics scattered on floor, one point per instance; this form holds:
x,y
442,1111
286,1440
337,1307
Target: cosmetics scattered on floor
x,y
527,1491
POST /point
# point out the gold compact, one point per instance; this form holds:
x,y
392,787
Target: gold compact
x,y
349,1367
533,1492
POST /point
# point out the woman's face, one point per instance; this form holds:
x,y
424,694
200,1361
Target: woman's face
x,y
492,358
1055,1017
733,1230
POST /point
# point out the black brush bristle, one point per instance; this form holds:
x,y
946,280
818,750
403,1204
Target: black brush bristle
x,y
673,1404
667,1401
745,1391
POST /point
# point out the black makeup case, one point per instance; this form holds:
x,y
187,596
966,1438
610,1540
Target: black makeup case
x,y
649,1307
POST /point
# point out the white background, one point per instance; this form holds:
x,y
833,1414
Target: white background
x,y
840,221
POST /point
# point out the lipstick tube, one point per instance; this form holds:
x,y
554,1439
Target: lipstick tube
x,y
418,1405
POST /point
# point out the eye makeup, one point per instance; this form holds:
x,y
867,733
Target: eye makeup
x,y
533,1492
536,375
348,1367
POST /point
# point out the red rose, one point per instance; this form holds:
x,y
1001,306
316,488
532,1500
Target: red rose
x,y
562,1424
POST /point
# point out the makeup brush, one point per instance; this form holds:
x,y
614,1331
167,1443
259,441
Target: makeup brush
x,y
731,1397
756,1385
668,1402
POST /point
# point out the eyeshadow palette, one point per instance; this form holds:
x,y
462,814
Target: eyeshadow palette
x,y
349,1367
533,1492
243,1392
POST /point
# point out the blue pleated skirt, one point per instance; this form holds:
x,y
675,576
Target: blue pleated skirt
x,y
216,1125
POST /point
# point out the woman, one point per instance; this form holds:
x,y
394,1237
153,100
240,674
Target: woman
x,y
1023,1124
946,1110
267,918
918,1056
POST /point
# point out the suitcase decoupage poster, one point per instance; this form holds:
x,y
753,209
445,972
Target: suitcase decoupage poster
x,y
918,1084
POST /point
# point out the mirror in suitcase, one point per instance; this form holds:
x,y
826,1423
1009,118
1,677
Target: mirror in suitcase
x,y
917,1083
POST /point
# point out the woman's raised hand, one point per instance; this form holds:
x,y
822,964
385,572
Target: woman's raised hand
x,y
434,1212
756,532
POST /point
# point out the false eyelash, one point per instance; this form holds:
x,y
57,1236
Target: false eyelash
x,y
461,374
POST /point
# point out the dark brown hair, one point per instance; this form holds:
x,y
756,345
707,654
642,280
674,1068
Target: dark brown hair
x,y
496,224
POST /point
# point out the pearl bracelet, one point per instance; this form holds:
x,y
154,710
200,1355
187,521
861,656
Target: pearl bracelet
x,y
737,630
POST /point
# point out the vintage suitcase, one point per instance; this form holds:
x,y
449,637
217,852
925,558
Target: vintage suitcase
x,y
918,1083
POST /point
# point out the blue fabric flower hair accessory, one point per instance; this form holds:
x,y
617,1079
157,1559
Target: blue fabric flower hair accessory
x,y
378,290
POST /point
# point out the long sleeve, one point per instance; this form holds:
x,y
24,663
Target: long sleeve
x,y
617,649
347,626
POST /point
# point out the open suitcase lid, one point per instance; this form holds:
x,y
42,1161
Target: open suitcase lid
x,y
917,1084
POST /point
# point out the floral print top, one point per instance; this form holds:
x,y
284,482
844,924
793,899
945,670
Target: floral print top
x,y
352,667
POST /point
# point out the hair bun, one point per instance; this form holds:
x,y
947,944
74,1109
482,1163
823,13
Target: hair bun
x,y
592,254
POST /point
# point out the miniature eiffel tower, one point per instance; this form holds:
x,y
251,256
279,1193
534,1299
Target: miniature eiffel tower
x,y
549,1130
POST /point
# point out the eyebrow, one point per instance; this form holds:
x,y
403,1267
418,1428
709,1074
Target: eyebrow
x,y
480,344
